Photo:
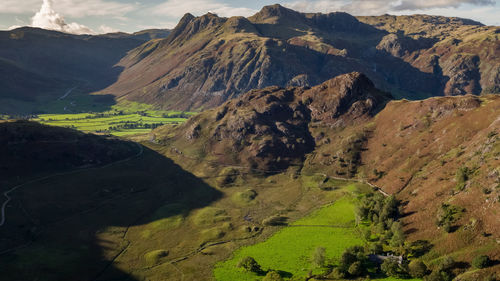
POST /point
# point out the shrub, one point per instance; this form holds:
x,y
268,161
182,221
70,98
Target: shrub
x,y
448,214
417,269
249,264
446,264
376,248
337,273
481,261
418,248
390,267
462,176
355,269
272,276
438,275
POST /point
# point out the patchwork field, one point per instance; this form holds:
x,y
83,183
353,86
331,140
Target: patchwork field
x,y
121,120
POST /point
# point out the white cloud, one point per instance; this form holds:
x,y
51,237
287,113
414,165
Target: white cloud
x,y
47,18
107,29
177,8
377,7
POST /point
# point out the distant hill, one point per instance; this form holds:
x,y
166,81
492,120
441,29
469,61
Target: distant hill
x,y
38,64
209,59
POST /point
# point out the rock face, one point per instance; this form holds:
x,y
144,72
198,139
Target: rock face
x,y
268,129
207,60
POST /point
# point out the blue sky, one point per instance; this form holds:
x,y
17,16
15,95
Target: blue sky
x,y
128,15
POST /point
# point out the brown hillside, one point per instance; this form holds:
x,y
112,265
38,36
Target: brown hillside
x,y
209,59
344,128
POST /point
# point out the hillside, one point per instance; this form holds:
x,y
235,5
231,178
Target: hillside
x,y
209,59
68,200
442,151
39,66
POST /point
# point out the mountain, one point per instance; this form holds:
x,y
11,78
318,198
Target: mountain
x,y
268,129
39,65
209,59
434,155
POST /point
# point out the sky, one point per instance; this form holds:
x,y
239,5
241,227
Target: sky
x,y
103,16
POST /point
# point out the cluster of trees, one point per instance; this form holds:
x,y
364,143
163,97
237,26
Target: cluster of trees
x,y
382,212
135,125
175,115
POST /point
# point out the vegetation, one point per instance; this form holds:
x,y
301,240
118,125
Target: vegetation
x,y
249,264
335,251
448,215
481,261
123,119
417,268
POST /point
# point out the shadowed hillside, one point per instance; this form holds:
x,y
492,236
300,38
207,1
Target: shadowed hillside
x,y
69,220
38,66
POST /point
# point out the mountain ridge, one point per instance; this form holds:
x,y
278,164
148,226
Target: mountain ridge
x,y
195,67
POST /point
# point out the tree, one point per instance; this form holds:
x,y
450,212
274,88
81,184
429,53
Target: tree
x,y
319,257
355,269
376,248
249,264
390,267
438,275
481,261
398,237
417,269
272,276
446,264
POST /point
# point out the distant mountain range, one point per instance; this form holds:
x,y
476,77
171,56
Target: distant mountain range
x,y
207,60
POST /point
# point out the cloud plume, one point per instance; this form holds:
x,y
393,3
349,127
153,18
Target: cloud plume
x,y
47,18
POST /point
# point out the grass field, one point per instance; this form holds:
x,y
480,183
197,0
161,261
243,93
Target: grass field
x,y
290,250
123,119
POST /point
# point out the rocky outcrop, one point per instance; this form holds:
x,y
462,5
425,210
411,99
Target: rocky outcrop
x,y
269,129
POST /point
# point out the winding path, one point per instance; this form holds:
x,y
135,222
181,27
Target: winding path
x,y
7,193
67,93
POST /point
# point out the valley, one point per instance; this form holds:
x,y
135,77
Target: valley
x,y
280,146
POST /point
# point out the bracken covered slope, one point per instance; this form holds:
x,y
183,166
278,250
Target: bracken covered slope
x,y
209,59
442,151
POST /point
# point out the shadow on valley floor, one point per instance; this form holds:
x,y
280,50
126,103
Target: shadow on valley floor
x,y
73,226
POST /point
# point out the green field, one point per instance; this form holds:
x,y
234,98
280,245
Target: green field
x,y
290,250
123,119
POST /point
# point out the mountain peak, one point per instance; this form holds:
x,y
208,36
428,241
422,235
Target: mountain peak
x,y
345,99
274,14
